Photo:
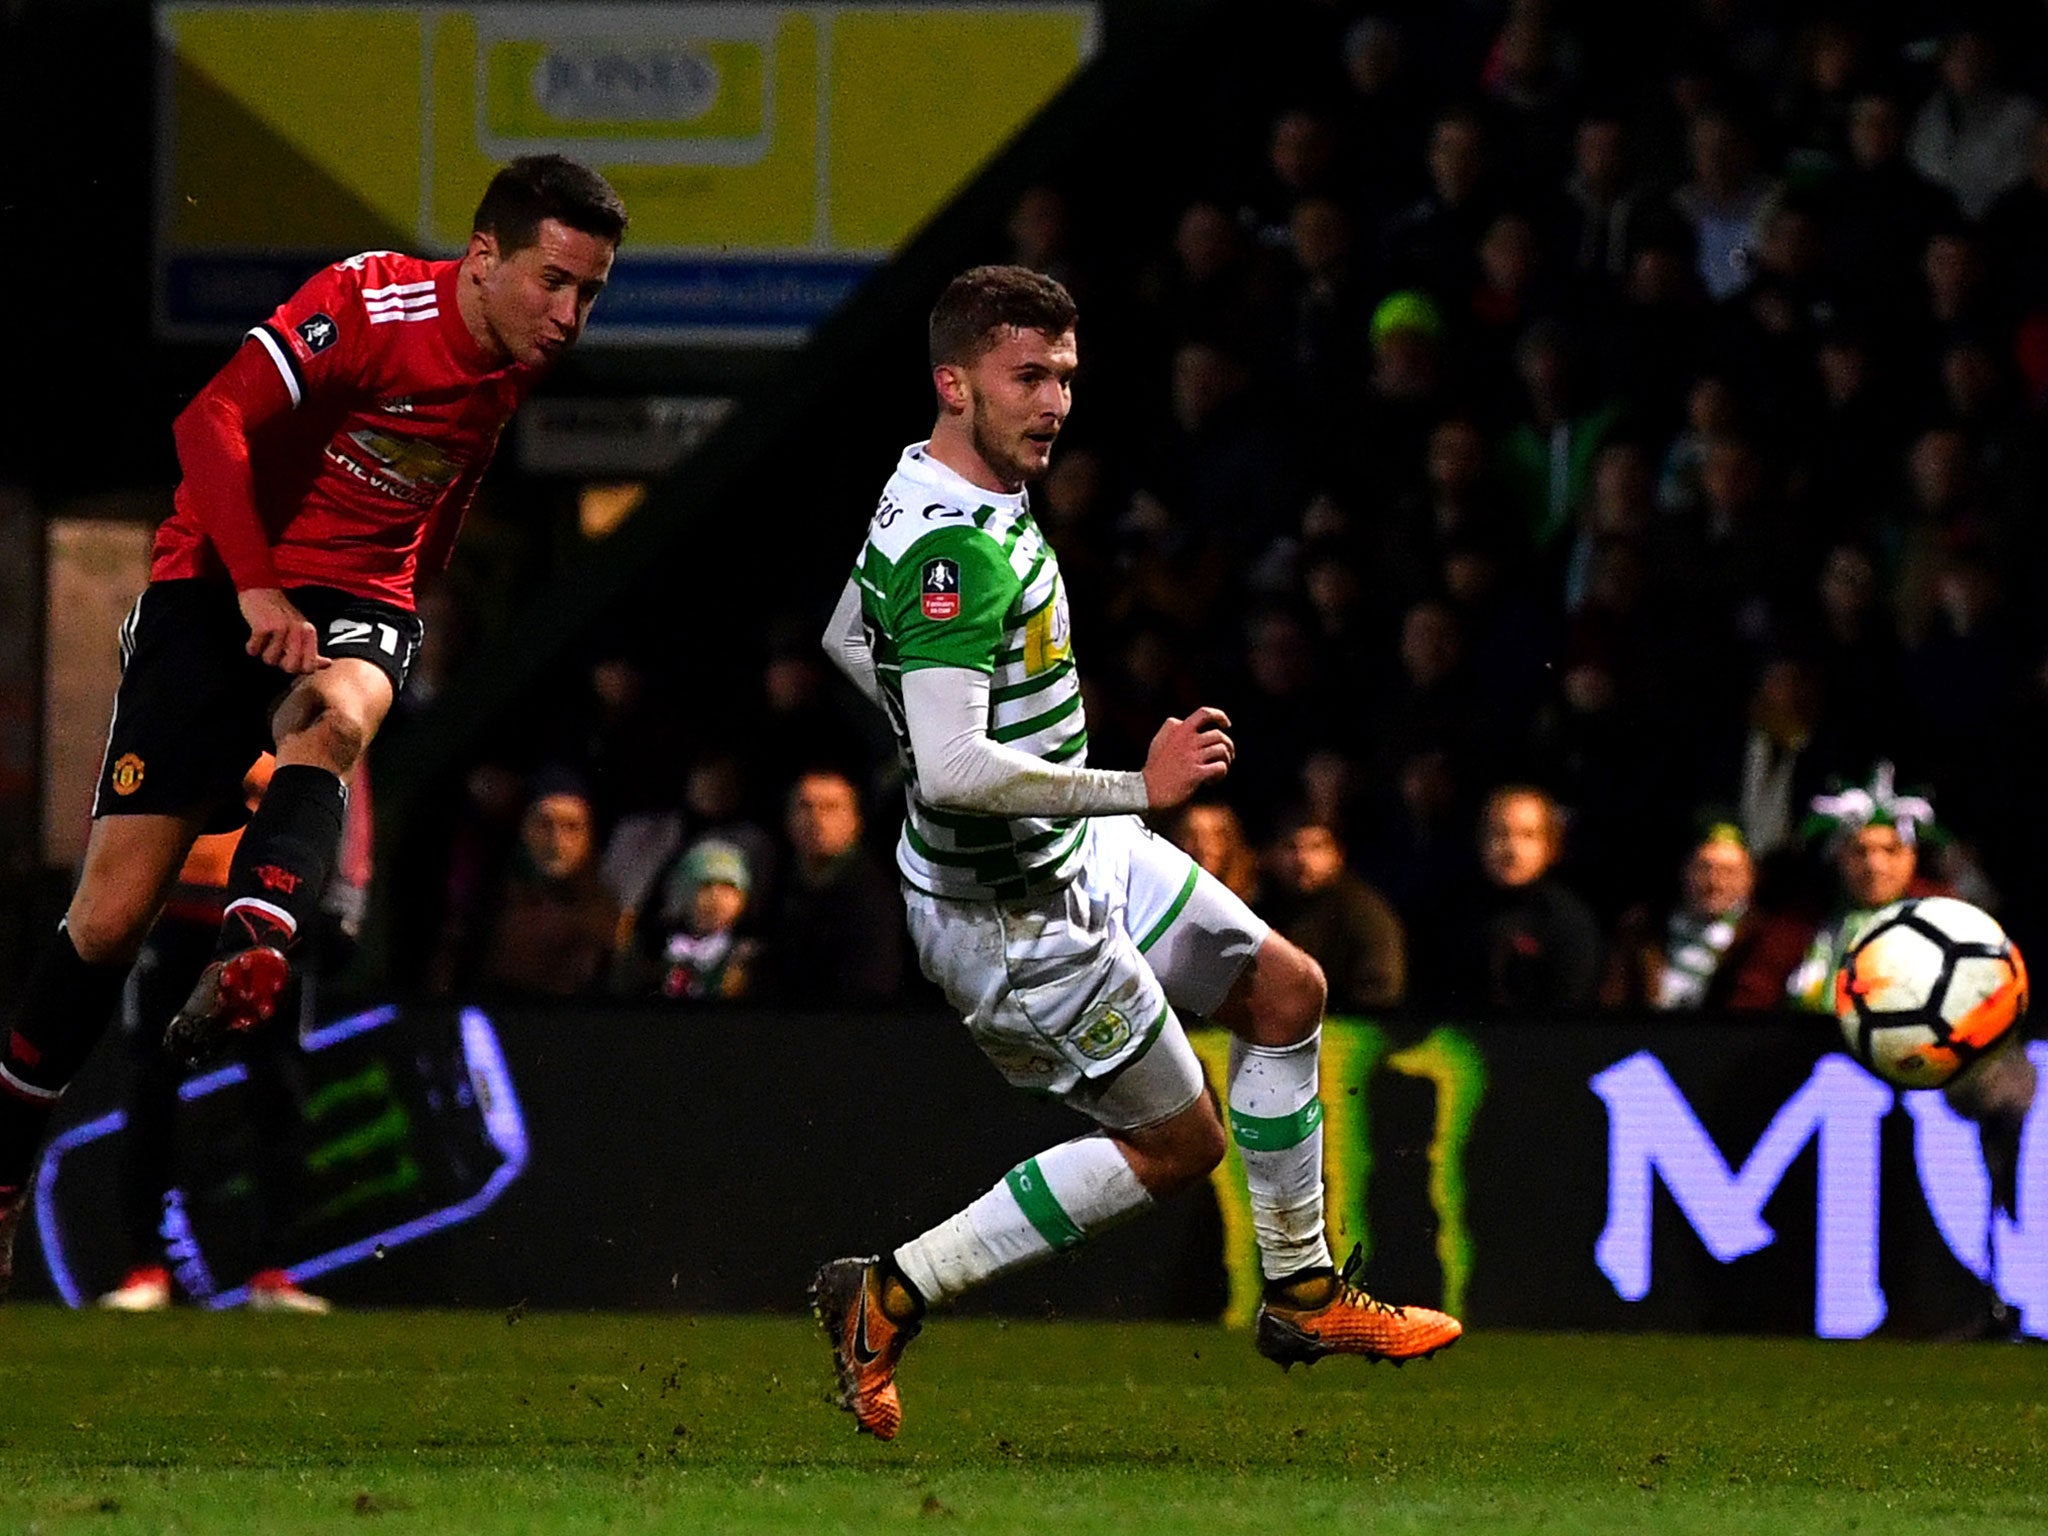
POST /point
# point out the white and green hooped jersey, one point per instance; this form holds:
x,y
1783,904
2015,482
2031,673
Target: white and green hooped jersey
x,y
955,576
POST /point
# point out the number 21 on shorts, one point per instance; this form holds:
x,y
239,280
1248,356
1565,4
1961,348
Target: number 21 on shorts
x,y
357,632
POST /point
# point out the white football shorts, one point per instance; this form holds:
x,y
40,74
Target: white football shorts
x,y
1073,994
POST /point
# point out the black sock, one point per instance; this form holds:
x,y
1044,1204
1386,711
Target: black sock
x,y
67,1007
280,869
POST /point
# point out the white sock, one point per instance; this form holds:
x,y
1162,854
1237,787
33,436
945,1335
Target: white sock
x,y
1277,1122
1061,1197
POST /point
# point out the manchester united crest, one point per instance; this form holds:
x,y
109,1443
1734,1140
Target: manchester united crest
x,y
127,777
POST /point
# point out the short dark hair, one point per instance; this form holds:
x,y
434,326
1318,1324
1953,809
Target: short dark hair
x,y
983,300
535,188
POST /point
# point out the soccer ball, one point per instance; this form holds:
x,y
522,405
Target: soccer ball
x,y
1930,986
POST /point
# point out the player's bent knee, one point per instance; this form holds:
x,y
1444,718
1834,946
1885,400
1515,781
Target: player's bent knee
x,y
310,727
1180,1152
1292,994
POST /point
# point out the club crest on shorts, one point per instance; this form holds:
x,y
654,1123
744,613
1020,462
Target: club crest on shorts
x,y
941,589
1101,1033
318,332
127,775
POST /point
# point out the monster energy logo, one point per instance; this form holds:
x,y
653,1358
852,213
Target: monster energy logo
x,y
1353,1050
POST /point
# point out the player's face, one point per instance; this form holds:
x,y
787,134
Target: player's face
x,y
536,299
1019,393
1877,867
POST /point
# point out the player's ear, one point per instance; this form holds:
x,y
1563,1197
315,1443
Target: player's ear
x,y
949,381
483,249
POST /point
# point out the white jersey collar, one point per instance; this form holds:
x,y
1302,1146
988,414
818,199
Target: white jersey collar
x,y
918,464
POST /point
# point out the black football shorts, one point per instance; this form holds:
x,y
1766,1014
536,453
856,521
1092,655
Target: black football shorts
x,y
193,709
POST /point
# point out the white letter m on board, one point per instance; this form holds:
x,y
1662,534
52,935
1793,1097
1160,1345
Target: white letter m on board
x,y
1652,1132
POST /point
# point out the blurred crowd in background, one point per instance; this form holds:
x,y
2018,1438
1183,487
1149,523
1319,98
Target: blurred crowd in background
x,y
1563,460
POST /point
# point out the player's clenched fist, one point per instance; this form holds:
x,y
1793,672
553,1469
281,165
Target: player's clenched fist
x,y
1185,755
279,635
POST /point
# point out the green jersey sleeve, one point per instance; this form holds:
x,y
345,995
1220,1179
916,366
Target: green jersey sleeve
x,y
948,599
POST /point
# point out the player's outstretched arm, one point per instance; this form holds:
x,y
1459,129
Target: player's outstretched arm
x,y
959,768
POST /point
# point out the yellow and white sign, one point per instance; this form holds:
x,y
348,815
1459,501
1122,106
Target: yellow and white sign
x,y
770,155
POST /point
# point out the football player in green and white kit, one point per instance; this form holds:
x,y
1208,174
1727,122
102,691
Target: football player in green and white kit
x,y
1063,931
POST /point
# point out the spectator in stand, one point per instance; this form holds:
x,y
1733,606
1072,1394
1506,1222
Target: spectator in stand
x,y
1817,106
837,937
1456,503
1855,649
1431,244
1712,413
1603,204
1783,759
1205,288
1873,837
1301,162
704,957
1329,310
1547,457
1346,925
555,925
1529,77
1958,298
1508,297
1525,944
1382,118
1884,211
1722,200
1651,340
1973,137
1283,706
1847,458
1675,966
1404,395
1209,832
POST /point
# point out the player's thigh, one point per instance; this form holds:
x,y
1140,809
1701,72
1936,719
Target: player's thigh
x,y
1060,1001
130,864
190,712
1193,930
371,646
382,635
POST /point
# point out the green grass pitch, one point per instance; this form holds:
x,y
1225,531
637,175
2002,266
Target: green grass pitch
x,y
448,1422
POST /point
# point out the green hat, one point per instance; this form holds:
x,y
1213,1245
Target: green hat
x,y
1407,309
716,862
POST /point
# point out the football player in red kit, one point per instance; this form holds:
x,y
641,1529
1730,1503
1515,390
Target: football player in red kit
x,y
325,468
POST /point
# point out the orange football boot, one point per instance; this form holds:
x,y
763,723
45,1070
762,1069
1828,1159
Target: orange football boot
x,y
866,1343
1352,1323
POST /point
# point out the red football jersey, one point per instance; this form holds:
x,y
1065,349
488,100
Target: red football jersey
x,y
394,413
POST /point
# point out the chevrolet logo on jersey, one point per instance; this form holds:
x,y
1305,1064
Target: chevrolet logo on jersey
x,y
413,463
